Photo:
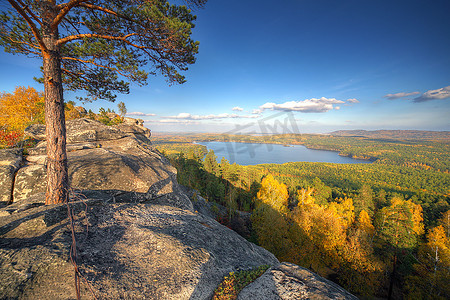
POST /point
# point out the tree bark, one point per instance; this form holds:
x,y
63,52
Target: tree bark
x,y
57,173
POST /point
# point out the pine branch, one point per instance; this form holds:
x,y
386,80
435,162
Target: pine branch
x,y
95,64
64,10
25,7
30,23
93,35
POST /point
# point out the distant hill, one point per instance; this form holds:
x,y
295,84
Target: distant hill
x,y
396,134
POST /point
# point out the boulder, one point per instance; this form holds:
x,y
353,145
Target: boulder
x,y
125,167
132,121
81,110
287,281
125,251
134,129
35,131
119,159
10,161
86,130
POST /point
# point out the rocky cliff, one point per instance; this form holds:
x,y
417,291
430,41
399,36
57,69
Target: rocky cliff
x,y
138,235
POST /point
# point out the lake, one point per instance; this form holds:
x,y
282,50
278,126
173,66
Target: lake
x,y
252,154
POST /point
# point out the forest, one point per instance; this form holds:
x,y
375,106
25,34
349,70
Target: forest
x,y
379,229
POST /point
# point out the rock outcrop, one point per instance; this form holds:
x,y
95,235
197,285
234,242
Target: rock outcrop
x,y
139,235
125,251
287,281
10,161
119,159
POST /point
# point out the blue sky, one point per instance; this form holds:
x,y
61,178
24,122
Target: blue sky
x,y
325,65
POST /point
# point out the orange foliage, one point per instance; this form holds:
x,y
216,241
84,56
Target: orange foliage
x,y
21,108
365,224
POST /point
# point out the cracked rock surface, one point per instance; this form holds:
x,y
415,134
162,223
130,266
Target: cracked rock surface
x,y
10,161
125,251
118,159
287,281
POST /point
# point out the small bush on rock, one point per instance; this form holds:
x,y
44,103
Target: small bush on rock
x,y
234,283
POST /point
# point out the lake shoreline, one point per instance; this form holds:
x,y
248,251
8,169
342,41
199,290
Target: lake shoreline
x,y
363,160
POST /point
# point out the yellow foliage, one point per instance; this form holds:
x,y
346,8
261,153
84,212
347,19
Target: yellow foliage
x,y
437,239
71,112
269,219
325,240
417,210
344,211
445,222
365,224
274,194
432,273
305,197
21,108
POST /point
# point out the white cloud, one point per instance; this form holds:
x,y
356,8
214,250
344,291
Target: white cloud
x,y
439,94
400,95
353,100
237,108
178,121
337,107
138,113
312,105
188,116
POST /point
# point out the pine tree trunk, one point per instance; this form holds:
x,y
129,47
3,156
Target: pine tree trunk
x,y
391,282
57,173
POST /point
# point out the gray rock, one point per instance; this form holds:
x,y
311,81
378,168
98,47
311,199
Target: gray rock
x,y
80,130
41,148
129,251
288,281
29,180
35,131
125,167
134,129
133,121
86,130
81,110
10,160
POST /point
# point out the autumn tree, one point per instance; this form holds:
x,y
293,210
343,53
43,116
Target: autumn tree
x,y
269,218
21,108
432,271
95,46
71,112
445,222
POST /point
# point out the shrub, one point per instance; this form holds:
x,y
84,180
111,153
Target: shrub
x,y
236,281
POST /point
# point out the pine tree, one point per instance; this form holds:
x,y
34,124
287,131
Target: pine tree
x,y
397,231
364,200
96,47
